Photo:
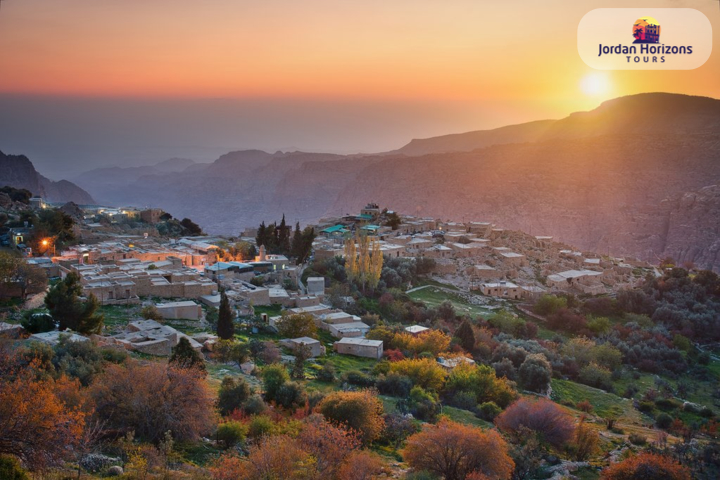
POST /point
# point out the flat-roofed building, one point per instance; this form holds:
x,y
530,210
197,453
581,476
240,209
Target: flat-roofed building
x,y
501,289
359,347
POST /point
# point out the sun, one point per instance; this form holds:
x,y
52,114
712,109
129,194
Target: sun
x,y
595,84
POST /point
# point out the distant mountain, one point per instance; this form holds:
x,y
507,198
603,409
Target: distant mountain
x,y
636,176
19,172
174,164
466,142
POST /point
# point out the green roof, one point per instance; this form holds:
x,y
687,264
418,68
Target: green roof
x,y
370,227
334,229
364,216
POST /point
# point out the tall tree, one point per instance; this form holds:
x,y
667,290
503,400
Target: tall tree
x,y
465,334
64,303
297,242
363,261
260,237
225,325
283,237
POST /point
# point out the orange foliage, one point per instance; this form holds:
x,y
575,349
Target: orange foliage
x,y
275,457
360,411
454,451
433,341
35,424
422,371
330,445
152,399
362,465
646,465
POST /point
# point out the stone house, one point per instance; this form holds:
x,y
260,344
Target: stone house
x,y
359,347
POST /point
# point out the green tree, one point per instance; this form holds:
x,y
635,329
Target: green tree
x,y
185,356
274,376
283,233
64,303
297,325
535,373
465,334
225,325
234,392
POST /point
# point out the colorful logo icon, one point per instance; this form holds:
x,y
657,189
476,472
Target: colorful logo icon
x,y
646,30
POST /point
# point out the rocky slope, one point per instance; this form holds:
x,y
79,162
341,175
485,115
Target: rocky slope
x,y
19,172
617,179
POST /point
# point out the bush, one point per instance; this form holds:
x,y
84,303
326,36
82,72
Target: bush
x,y
255,405
10,469
541,416
637,439
706,412
260,426
535,373
231,433
584,406
663,420
274,376
394,384
326,373
549,304
361,411
646,465
596,376
233,393
38,323
424,372
489,410
291,395
358,378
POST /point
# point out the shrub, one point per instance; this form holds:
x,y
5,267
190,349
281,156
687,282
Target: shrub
x,y
38,323
663,420
535,373
454,451
646,465
150,312
10,469
360,411
424,372
233,393
358,378
549,304
541,416
707,412
482,381
153,398
489,410
584,406
274,376
255,405
637,439
291,395
260,426
231,433
326,373
596,376
394,384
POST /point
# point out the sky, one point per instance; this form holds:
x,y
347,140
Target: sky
x,y
88,83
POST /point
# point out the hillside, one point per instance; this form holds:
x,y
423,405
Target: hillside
x,y
614,179
19,172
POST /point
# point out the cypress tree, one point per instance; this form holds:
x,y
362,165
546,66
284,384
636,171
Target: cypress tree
x,y
466,336
225,326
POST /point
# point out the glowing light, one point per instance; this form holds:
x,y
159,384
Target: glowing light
x,y
595,84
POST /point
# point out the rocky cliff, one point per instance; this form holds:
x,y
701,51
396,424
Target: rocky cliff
x,y
19,172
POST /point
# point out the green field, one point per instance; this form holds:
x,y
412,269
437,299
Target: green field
x,y
606,405
434,297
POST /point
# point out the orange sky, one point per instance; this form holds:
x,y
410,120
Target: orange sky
x,y
314,48
515,60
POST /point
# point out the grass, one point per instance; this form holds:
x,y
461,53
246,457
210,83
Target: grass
x,y
606,405
465,417
434,297
270,310
118,316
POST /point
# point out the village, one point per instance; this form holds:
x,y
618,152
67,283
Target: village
x,y
182,277
376,301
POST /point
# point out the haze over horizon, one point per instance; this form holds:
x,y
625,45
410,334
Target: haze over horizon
x,y
87,84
